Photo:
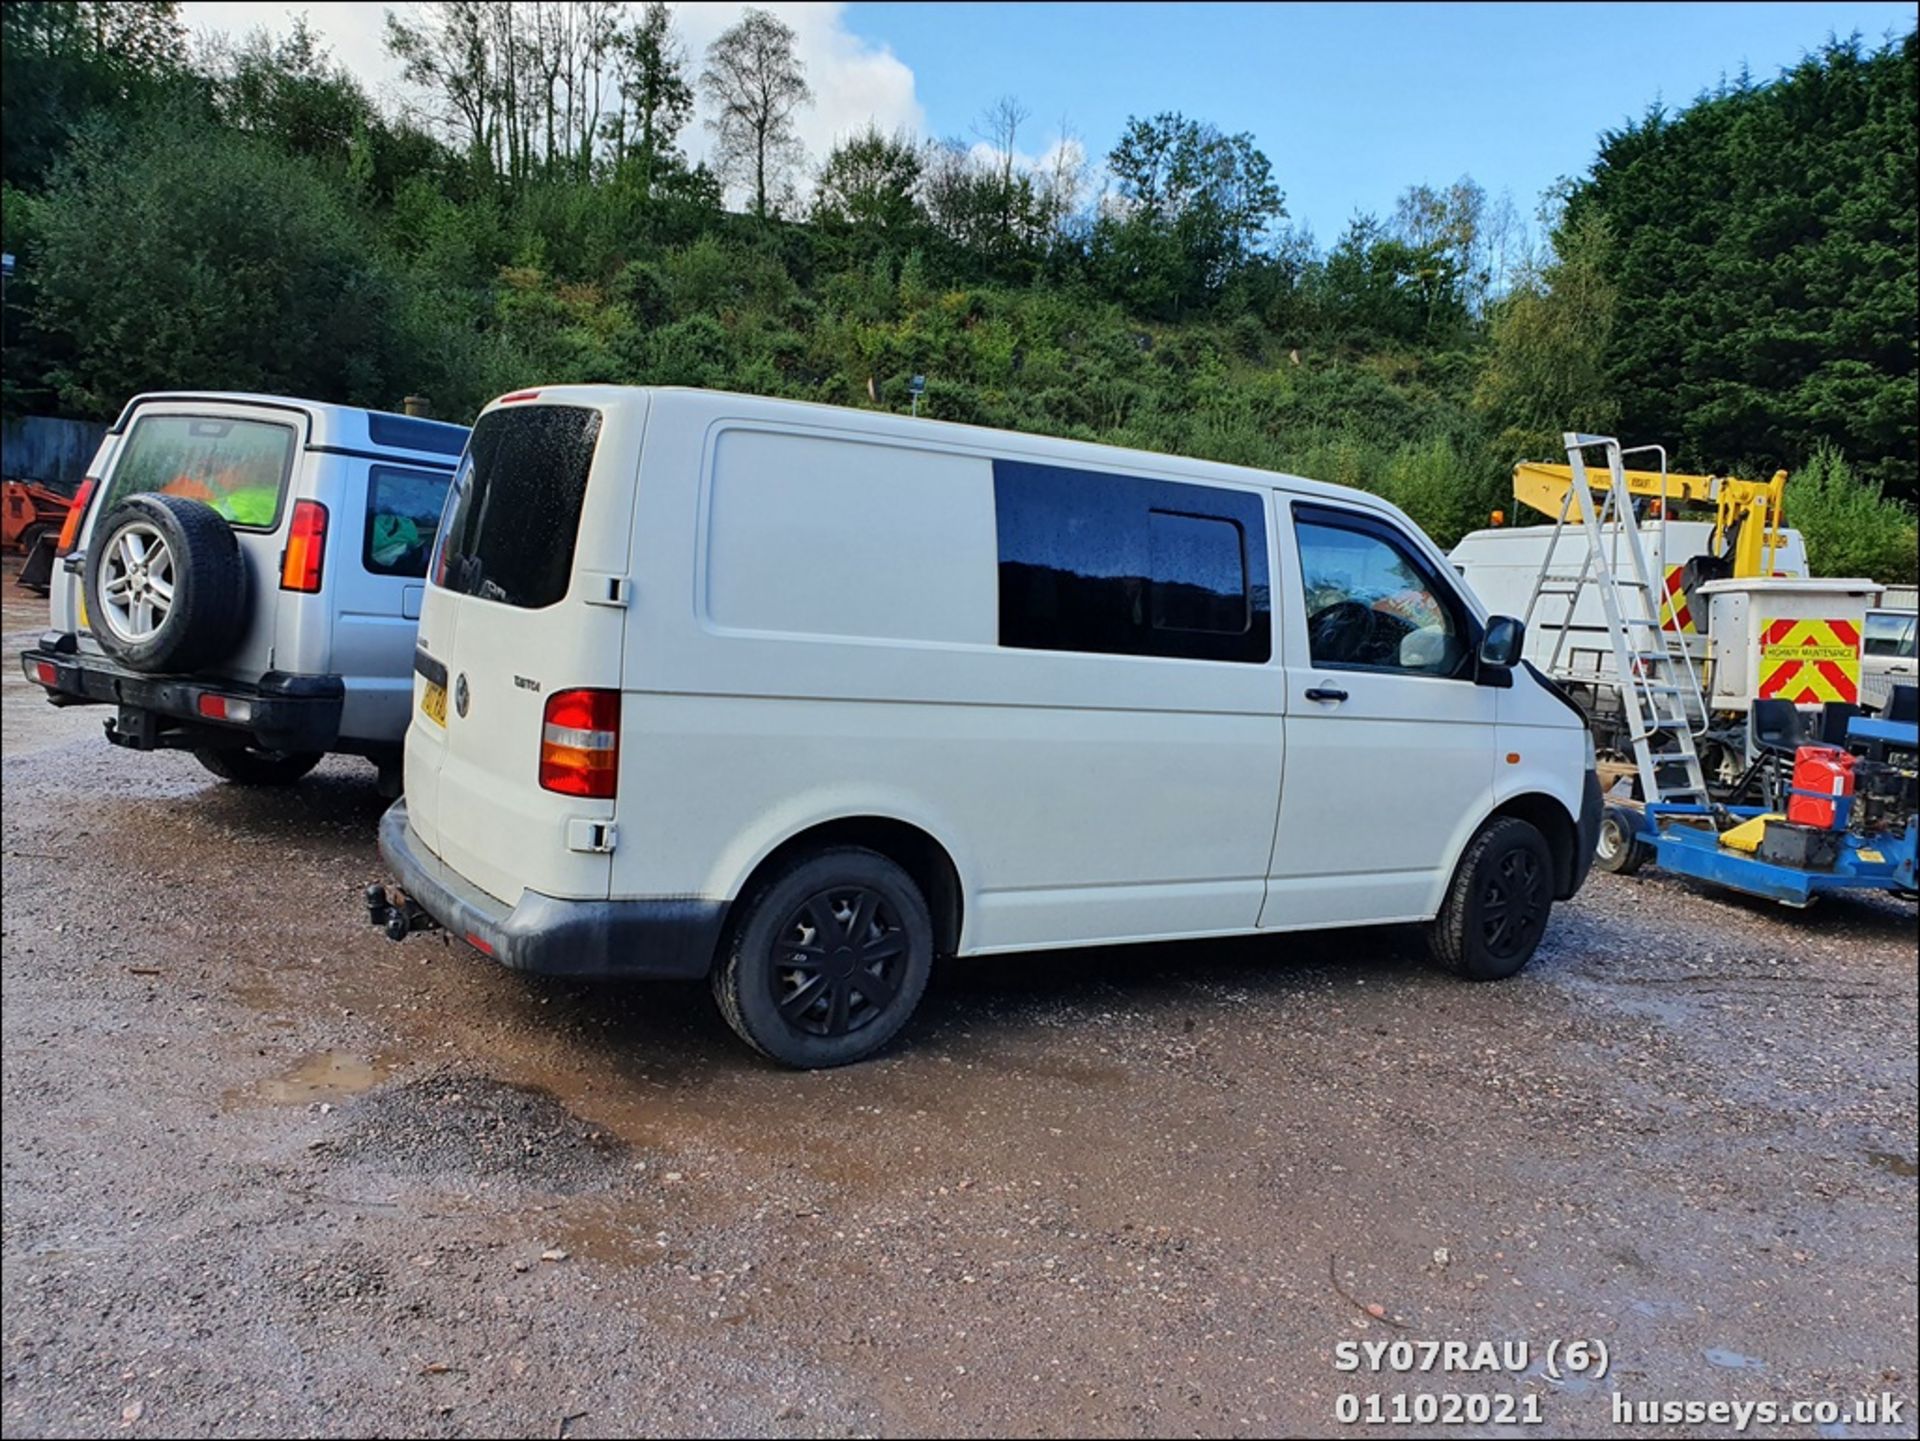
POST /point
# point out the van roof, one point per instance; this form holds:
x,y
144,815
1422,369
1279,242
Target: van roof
x,y
1686,531
901,427
346,428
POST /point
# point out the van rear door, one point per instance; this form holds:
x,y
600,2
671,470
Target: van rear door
x,y
521,635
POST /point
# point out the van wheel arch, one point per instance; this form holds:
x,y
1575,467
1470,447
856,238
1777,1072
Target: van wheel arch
x,y
1561,831
915,851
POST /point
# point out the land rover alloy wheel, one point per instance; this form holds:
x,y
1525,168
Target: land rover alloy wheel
x,y
165,584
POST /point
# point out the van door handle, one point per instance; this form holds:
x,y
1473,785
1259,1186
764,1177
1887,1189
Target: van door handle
x,y
1325,692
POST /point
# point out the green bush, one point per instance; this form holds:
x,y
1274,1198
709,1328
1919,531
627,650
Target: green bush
x,y
1851,528
177,253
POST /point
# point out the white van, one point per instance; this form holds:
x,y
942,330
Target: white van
x,y
1889,655
1503,563
800,697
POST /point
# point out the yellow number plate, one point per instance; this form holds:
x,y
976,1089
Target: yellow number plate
x,y
433,700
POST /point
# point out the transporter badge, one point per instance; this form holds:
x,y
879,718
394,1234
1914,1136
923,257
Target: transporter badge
x,y
461,696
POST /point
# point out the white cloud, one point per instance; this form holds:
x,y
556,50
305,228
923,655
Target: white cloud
x,y
854,79
354,32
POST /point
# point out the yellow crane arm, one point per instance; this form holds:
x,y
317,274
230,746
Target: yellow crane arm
x,y
1748,514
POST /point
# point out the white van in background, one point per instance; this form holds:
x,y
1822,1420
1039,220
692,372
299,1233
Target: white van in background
x,y
1502,564
1889,654
799,697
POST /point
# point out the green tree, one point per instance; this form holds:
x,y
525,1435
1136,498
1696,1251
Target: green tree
x,y
656,101
292,92
249,274
59,61
1547,369
870,183
1195,206
1851,528
1377,288
1765,271
449,51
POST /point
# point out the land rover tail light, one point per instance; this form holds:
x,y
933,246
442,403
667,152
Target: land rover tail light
x,y
580,743
76,512
306,548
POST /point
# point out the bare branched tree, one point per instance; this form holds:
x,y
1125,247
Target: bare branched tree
x,y
449,51
755,84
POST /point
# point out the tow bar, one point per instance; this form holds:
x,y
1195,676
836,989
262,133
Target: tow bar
x,y
398,918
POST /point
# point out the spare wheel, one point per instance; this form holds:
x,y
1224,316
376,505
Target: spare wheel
x,y
165,584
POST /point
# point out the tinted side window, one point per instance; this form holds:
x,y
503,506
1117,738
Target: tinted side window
x,y
403,516
1124,565
515,513
1197,572
1372,602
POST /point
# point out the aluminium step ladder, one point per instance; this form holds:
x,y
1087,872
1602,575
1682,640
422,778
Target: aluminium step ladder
x,y
1653,671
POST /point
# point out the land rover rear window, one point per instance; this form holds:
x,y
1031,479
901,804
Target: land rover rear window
x,y
239,467
515,511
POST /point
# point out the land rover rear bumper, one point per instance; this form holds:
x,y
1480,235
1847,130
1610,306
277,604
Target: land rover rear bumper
x,y
281,712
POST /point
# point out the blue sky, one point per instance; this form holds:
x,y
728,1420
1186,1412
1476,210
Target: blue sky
x,y
1352,102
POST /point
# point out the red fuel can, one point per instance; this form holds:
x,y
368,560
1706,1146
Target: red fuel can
x,y
1822,779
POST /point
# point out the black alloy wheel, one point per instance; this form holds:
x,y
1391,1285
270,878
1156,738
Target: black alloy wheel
x,y
1497,905
825,958
1514,905
838,962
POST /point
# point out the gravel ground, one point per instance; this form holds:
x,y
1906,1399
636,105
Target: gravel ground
x,y
265,1172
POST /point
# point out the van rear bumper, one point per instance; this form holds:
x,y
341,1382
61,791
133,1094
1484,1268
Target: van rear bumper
x,y
661,939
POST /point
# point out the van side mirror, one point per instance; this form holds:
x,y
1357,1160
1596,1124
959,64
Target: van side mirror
x,y
1504,642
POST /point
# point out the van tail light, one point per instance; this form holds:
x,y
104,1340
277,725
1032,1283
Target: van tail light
x,y
306,548
76,512
580,743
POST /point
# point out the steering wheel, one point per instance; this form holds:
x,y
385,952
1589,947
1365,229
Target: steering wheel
x,y
1340,632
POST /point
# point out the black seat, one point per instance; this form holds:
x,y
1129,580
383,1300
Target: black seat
x,y
1904,704
1834,716
1778,726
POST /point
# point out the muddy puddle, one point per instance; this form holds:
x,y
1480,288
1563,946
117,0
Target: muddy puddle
x,y
322,1076
615,1232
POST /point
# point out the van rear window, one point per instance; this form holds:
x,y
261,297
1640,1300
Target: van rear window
x,y
515,513
239,467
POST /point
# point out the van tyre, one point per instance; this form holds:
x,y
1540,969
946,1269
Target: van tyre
x,y
826,958
165,584
1497,906
246,766
1619,851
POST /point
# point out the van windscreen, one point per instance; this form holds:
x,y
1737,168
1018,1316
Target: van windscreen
x,y
515,510
239,467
